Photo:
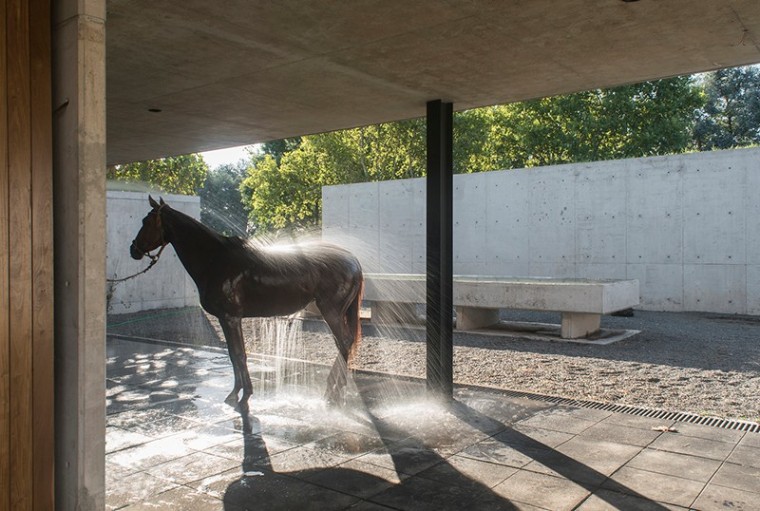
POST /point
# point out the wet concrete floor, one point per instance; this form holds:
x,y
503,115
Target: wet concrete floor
x,y
172,443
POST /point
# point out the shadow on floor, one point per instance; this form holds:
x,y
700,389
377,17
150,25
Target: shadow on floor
x,y
173,444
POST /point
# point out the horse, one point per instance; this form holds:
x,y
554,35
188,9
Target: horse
x,y
237,279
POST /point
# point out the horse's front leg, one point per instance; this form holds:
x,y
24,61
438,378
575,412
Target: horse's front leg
x,y
233,334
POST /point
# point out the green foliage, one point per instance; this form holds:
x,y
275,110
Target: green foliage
x,y
283,186
221,203
286,192
635,120
177,174
731,115
276,148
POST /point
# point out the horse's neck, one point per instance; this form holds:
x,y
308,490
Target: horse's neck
x,y
194,243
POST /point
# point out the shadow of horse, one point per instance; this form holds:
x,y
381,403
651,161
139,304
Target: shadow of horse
x,y
424,474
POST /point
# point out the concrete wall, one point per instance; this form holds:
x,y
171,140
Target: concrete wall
x,y
687,226
165,285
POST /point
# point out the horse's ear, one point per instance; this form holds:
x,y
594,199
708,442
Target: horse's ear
x,y
161,200
152,202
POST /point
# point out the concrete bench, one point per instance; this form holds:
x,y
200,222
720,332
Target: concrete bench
x,y
477,300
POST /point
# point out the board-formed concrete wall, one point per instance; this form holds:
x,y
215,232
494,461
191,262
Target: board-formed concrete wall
x,y
686,226
167,284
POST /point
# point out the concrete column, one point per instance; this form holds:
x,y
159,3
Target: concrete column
x,y
576,325
394,313
472,318
79,164
439,258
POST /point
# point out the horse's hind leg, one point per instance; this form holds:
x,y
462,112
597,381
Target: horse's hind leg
x,y
345,327
233,333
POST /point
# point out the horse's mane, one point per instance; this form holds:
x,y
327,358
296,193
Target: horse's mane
x,y
274,256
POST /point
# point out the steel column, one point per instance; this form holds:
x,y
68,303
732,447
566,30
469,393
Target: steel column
x,y
440,359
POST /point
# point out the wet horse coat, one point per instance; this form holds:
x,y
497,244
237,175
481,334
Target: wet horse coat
x,y
236,279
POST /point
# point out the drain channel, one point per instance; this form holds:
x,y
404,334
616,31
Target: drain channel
x,y
685,417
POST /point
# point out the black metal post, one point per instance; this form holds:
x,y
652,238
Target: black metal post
x,y
440,352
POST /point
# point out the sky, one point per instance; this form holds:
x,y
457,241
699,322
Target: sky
x,y
221,156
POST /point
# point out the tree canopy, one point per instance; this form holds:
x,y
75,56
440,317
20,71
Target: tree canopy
x,y
221,203
283,185
177,174
731,115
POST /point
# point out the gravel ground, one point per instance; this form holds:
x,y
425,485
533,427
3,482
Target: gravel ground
x,y
693,362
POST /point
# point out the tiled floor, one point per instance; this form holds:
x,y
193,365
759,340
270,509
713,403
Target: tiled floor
x,y
173,444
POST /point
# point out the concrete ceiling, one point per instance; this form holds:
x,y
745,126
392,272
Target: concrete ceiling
x,y
239,72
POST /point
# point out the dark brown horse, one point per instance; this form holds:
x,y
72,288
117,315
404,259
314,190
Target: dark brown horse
x,y
237,280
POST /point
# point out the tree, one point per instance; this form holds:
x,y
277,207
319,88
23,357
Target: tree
x,y
283,187
177,174
731,115
276,148
644,119
287,192
221,203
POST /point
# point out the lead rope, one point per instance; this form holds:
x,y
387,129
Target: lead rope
x,y
153,261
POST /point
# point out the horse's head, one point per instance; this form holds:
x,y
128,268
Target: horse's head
x,y
151,235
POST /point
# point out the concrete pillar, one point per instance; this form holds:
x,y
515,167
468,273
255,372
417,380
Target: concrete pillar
x,y
79,164
394,313
439,256
578,324
472,318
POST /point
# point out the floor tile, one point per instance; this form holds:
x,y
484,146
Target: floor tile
x,y
636,421
468,472
405,457
118,439
150,454
693,446
719,498
420,494
355,478
654,486
202,437
541,490
750,440
135,488
621,434
192,467
708,432
605,500
182,499
493,450
741,477
301,458
152,422
277,492
744,455
561,422
675,464
584,461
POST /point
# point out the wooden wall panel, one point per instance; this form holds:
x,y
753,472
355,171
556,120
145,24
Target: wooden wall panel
x,y
43,396
26,258
20,255
5,421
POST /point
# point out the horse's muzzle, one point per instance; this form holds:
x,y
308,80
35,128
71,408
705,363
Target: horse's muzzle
x,y
135,252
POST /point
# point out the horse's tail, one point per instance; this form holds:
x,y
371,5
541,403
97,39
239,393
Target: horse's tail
x,y
354,321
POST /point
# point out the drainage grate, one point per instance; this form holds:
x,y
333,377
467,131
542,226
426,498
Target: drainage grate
x,y
689,418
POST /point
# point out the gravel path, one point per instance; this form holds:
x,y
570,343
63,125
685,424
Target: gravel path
x,y
700,363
